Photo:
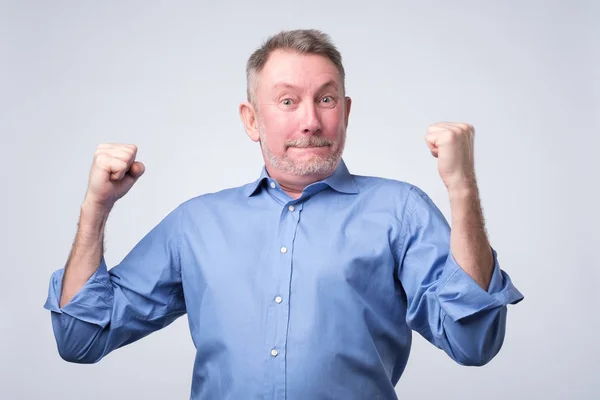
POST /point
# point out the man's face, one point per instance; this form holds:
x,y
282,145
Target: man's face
x,y
301,113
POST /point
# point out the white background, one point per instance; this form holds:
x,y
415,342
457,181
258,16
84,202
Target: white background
x,y
168,76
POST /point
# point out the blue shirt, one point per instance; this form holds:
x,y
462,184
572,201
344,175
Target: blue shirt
x,y
313,298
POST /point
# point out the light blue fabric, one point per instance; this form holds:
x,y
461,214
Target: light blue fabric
x,y
313,298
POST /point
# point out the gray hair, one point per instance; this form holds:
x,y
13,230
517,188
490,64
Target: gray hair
x,y
304,41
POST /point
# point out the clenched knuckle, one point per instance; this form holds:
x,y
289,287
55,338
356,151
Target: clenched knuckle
x,y
100,157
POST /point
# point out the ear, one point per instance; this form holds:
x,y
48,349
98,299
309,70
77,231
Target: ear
x,y
248,116
348,106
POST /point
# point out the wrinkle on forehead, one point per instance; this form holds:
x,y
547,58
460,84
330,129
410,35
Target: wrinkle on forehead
x,y
285,85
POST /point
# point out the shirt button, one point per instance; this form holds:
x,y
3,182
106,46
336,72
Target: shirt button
x,y
274,352
291,208
284,250
278,299
273,185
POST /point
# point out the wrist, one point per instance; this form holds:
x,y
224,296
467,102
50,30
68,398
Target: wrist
x,y
463,189
93,213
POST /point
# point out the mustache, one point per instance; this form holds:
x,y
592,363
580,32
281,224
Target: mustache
x,y
309,141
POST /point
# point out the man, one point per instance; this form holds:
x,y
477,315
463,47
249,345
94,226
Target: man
x,y
307,283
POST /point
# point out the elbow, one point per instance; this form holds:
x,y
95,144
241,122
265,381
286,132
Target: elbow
x,y
71,356
77,341
476,359
482,344
478,356
74,350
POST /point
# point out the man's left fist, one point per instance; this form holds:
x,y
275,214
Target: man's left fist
x,y
452,144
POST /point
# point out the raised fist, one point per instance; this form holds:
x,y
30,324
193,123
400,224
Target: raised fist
x,y
113,173
452,144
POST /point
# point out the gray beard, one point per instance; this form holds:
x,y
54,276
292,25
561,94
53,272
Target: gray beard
x,y
314,166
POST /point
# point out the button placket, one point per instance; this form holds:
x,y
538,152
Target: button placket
x,y
278,310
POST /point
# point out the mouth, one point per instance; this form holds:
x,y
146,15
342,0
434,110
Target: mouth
x,y
308,147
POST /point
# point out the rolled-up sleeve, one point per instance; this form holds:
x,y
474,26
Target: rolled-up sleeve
x,y
444,304
460,296
116,307
92,304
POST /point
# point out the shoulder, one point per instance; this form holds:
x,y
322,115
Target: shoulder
x,y
406,199
396,189
227,196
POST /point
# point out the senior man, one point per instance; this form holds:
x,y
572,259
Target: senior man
x,y
306,283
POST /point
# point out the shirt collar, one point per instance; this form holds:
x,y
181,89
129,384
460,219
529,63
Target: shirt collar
x,y
341,181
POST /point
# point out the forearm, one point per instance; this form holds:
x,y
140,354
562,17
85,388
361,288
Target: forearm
x,y
468,239
86,253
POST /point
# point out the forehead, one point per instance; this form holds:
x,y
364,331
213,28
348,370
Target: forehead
x,y
292,68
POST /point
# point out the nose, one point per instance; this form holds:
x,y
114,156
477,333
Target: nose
x,y
311,121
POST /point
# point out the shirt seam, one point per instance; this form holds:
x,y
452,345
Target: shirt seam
x,y
447,280
425,326
406,216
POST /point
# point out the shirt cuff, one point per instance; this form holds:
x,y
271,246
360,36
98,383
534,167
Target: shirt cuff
x,y
93,303
460,296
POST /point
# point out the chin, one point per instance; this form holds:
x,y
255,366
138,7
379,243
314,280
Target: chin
x,y
307,164
313,166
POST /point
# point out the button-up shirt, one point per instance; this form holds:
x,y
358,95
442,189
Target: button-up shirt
x,y
308,298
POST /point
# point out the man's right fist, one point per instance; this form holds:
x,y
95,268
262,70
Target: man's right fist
x,y
113,173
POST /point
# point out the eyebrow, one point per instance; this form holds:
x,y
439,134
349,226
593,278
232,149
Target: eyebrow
x,y
283,85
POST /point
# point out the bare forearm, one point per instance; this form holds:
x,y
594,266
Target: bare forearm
x,y
468,240
86,253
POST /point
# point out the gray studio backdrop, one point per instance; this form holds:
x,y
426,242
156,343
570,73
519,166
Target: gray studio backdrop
x,y
168,76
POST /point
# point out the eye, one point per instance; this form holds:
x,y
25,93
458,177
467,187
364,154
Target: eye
x,y
328,100
286,102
